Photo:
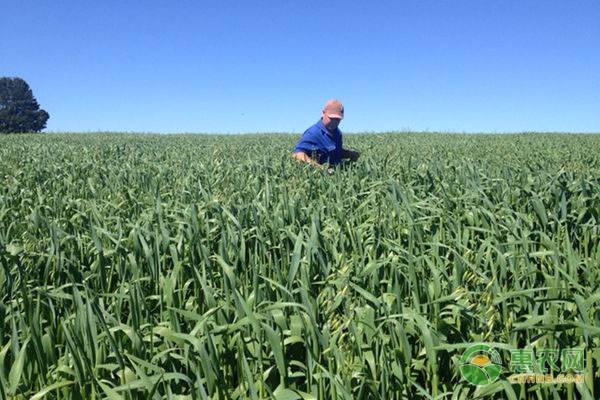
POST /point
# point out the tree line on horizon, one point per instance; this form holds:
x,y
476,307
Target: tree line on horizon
x,y
19,110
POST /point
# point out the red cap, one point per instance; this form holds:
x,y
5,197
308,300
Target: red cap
x,y
334,109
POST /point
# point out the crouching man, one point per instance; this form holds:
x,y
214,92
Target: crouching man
x,y
321,144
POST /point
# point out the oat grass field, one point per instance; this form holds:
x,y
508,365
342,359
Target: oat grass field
x,y
140,266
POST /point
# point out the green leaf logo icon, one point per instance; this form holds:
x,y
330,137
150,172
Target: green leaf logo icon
x,y
480,365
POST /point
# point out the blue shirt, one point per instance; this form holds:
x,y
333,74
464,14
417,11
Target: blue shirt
x,y
322,145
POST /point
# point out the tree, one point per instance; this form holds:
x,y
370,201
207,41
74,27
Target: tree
x,y
19,110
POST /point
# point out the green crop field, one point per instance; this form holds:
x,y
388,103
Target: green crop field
x,y
216,267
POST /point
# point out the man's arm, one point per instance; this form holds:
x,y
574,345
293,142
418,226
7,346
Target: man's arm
x,y
303,157
351,154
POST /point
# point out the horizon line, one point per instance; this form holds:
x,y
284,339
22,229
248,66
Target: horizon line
x,y
400,131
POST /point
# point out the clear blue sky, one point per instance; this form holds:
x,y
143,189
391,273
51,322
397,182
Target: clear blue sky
x,y
268,66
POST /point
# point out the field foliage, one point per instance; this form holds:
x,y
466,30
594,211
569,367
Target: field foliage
x,y
213,267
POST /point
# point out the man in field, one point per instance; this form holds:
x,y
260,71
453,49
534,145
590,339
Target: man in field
x,y
321,144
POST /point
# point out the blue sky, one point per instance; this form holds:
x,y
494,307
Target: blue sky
x,y
268,66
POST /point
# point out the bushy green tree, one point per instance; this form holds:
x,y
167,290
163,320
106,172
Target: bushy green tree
x,y
19,110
